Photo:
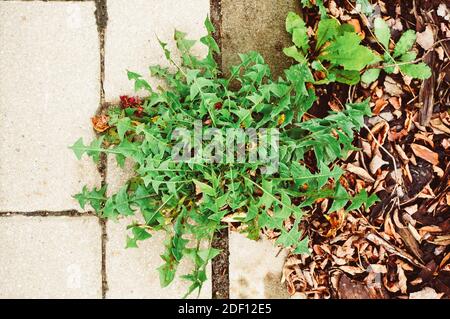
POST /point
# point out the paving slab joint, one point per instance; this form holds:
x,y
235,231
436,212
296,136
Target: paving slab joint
x,y
220,264
101,16
216,19
43,213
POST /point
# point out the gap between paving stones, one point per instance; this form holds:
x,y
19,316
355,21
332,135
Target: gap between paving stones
x,y
220,277
49,0
101,17
66,213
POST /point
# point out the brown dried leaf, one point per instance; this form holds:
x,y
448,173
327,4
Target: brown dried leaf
x,y
402,280
425,153
376,162
396,102
392,87
426,293
361,172
426,38
352,270
100,123
438,125
380,104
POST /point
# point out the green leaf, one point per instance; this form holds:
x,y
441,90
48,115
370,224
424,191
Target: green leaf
x,y
209,26
340,198
302,247
208,254
297,27
198,85
292,239
123,125
346,52
139,234
183,44
405,43
345,76
93,150
370,75
418,71
204,188
382,32
366,6
362,199
300,38
96,197
164,47
294,53
78,148
293,21
139,82
167,273
122,203
327,30
408,56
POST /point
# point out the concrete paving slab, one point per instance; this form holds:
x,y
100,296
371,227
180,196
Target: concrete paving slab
x,y
117,176
50,257
255,269
256,25
132,272
131,38
49,89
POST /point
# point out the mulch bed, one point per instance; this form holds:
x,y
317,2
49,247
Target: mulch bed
x,y
400,247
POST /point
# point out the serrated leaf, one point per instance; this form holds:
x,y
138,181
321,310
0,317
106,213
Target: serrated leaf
x,y
297,27
183,44
340,199
360,199
78,148
208,254
417,71
122,203
93,150
139,82
294,53
95,197
382,32
139,234
163,46
205,188
197,85
302,247
345,51
293,21
405,43
123,125
370,75
300,38
326,30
